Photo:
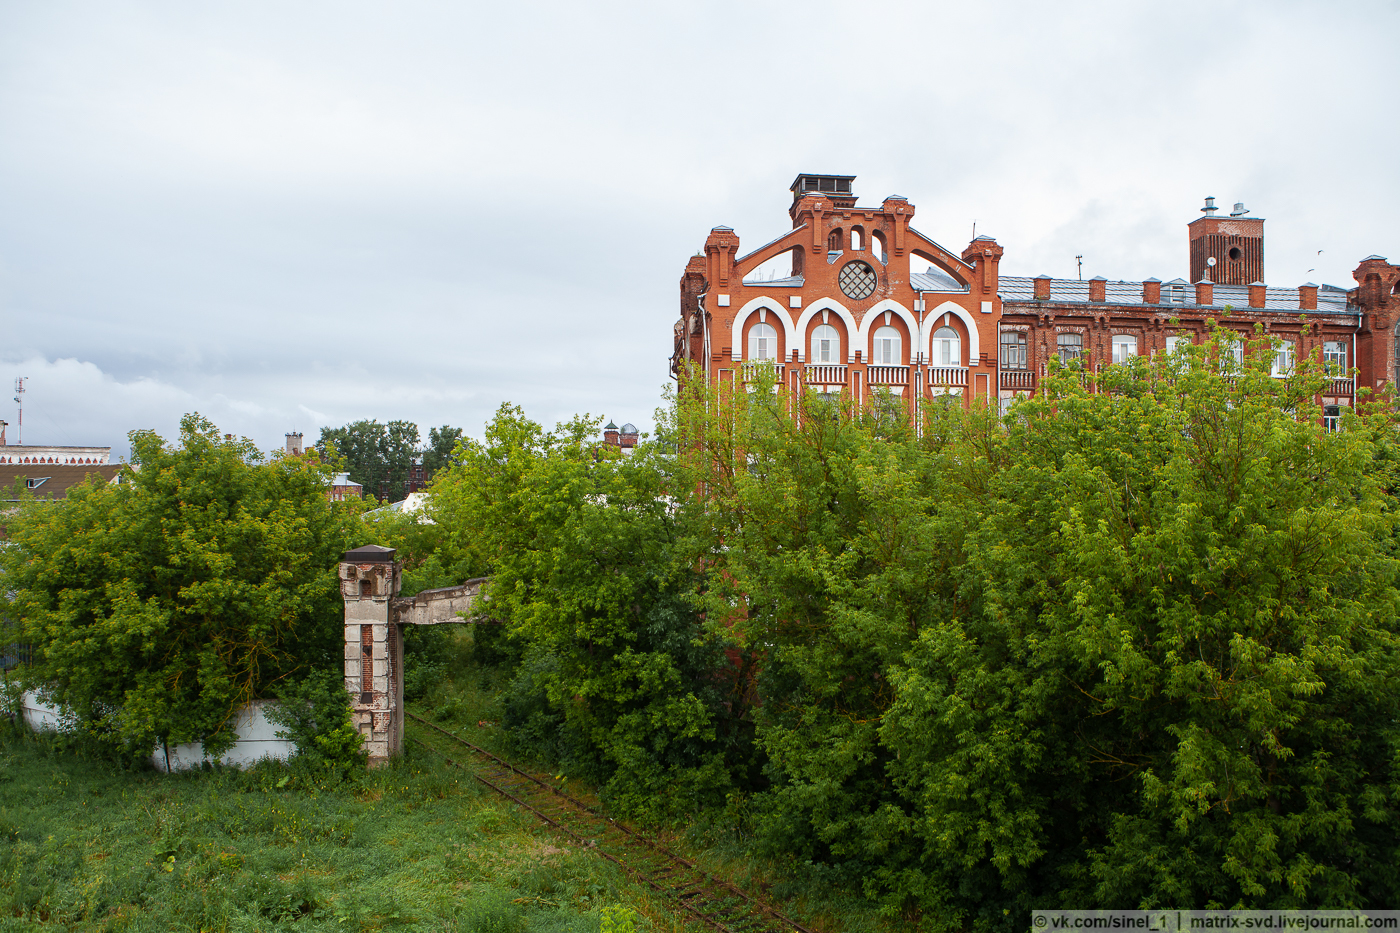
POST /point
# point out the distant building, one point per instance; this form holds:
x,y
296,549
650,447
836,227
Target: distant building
x,y
866,303
624,437
417,478
343,488
63,456
49,472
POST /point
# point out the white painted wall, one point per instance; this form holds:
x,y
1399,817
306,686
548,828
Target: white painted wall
x,y
38,715
257,738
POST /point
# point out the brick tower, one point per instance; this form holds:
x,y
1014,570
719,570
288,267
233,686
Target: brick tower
x,y
1235,243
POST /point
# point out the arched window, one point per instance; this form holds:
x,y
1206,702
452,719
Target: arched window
x,y
826,344
763,342
877,246
1013,349
887,350
947,347
833,242
857,239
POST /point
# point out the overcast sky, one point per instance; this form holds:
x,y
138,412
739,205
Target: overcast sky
x,y
293,215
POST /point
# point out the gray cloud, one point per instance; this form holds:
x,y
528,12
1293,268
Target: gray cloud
x,y
291,217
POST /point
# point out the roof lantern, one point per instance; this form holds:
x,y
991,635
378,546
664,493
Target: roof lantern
x,y
836,186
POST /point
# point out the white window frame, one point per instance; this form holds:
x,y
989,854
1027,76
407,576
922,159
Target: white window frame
x,y
1016,347
1124,347
758,350
887,347
1283,359
833,351
1334,357
1067,352
1177,341
946,347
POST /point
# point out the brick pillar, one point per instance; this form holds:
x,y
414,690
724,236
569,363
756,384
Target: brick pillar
x,y
1205,292
369,581
1098,288
1042,288
1152,291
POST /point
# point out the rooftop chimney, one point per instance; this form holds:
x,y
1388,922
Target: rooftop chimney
x,y
1307,297
1205,293
1239,210
1209,209
2,433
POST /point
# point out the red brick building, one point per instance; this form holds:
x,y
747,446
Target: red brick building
x,y
865,300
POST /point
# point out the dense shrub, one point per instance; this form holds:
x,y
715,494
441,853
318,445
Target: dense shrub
x,y
160,603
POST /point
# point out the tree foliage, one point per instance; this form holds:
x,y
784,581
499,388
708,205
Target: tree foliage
x,y
1131,646
618,679
377,456
160,603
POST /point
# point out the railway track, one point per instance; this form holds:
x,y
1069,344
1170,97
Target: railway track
x,y
719,904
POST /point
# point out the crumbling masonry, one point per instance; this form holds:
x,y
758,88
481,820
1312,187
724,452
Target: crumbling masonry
x,y
375,615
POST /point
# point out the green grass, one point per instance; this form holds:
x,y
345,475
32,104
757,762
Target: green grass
x,y
467,700
415,846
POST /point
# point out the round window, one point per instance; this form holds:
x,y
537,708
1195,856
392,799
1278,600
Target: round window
x,y
857,280
1235,252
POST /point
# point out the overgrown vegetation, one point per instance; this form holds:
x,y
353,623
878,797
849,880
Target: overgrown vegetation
x,y
159,604
1130,646
417,846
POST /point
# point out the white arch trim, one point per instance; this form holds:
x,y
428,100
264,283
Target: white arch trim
x,y
931,319
740,348
853,333
876,317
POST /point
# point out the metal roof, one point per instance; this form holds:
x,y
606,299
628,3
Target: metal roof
x,y
791,281
935,280
1019,288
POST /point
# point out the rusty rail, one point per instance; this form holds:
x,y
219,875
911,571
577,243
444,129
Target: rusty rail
x,y
715,902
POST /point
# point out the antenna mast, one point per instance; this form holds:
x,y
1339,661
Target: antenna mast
x,y
19,400
1080,259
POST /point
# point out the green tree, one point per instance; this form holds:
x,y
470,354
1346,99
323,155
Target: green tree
x,y
159,604
619,681
1132,645
378,456
437,455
